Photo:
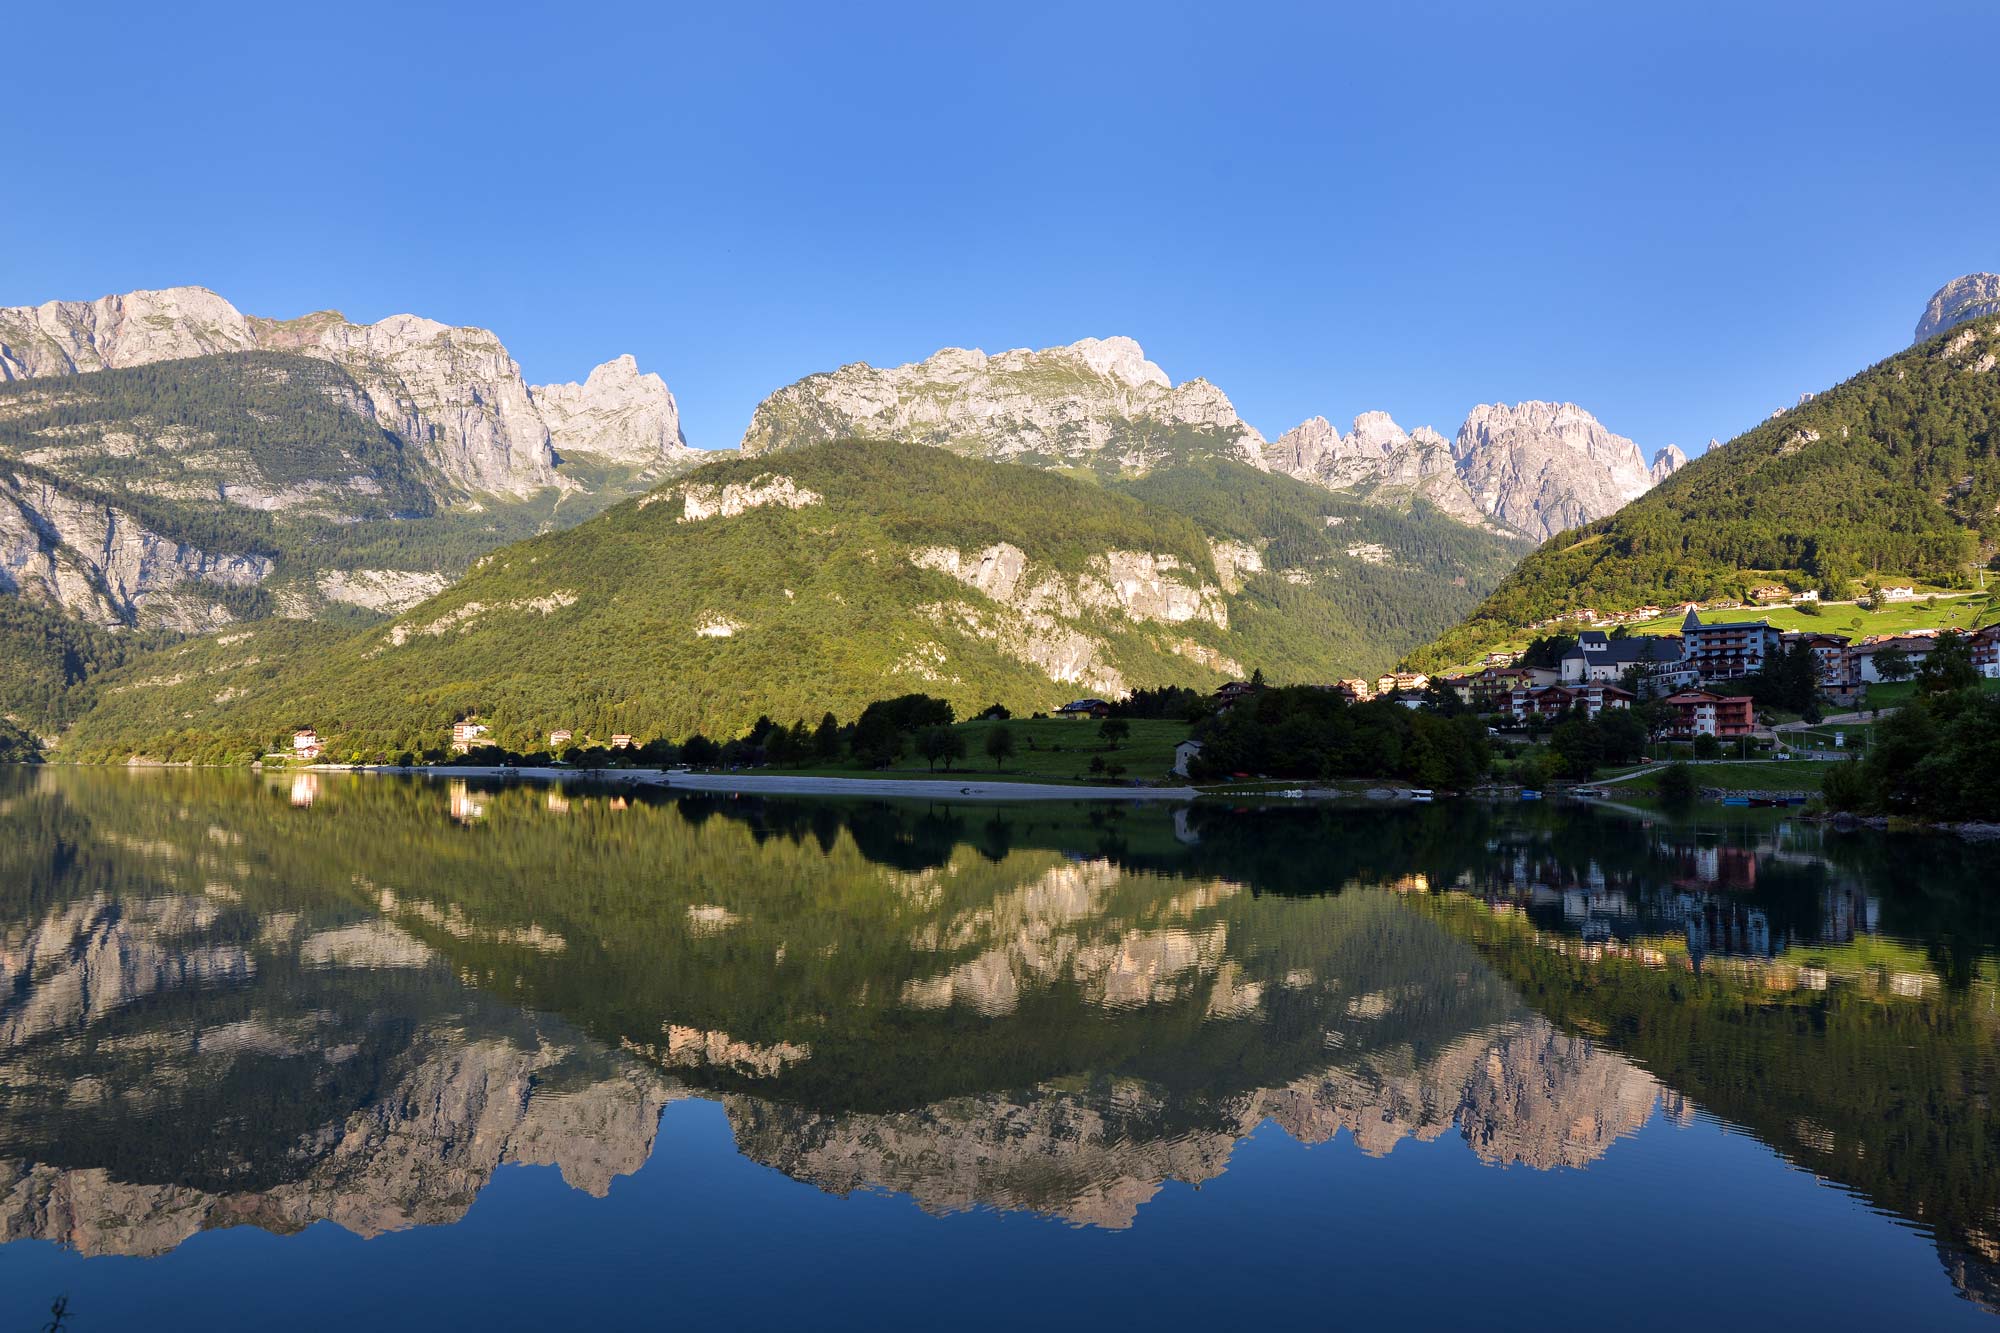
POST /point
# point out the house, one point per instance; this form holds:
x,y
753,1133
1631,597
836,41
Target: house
x,y
1802,598
621,740
305,744
1184,755
1770,592
1914,647
1355,691
466,734
1080,709
1501,659
560,737
1986,651
1727,650
1902,592
1599,657
1699,713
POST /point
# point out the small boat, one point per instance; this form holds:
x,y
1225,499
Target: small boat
x,y
1736,800
1422,795
1528,795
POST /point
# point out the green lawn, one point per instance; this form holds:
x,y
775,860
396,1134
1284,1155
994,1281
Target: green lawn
x,y
1885,695
1751,775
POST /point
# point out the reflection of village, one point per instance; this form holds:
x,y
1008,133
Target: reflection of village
x,y
1693,907
1380,1025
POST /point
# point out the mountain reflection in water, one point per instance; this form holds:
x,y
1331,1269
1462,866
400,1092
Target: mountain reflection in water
x,y
235,1001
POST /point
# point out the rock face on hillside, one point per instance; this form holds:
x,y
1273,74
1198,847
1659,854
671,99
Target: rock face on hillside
x,y
454,393
106,565
1534,468
1543,467
1961,299
617,415
1098,404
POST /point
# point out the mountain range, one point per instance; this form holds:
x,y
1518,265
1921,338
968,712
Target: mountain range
x,y
1100,407
170,466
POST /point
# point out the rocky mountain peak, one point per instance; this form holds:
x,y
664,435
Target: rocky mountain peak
x,y
1666,462
1122,359
1377,434
618,414
1094,403
1961,299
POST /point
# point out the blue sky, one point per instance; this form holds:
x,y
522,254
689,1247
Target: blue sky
x,y
1680,216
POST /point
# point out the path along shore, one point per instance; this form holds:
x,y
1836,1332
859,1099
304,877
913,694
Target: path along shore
x,y
926,789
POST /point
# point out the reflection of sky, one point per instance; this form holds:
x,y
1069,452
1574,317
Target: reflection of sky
x,y
1677,1226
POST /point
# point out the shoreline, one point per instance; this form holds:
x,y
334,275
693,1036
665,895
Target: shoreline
x,y
933,789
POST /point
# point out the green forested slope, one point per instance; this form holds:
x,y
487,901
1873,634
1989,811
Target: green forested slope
x,y
599,629
1894,474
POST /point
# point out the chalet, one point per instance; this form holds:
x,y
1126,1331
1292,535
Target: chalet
x,y
1727,650
305,744
1833,660
1902,592
621,741
1986,651
560,737
1769,592
1228,692
1802,598
1699,713
466,734
1599,657
1501,659
1493,689
1554,700
1080,709
1184,756
1355,691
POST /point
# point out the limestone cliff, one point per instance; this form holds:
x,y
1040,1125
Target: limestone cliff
x,y
1098,404
453,392
1961,299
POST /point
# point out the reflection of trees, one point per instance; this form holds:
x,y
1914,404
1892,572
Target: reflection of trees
x,y
1862,1073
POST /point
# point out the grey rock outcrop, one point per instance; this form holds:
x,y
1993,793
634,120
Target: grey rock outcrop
x,y
1961,299
1097,403
617,415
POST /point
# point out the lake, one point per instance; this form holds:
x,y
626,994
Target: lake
x,y
334,1051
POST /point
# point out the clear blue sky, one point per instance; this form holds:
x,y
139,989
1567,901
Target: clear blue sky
x,y
1680,216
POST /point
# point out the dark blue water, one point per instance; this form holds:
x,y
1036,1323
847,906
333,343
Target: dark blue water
x,y
379,1054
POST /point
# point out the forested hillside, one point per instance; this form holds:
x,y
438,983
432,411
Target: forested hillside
x,y
1893,475
821,579
184,495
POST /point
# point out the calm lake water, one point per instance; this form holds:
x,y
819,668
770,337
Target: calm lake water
x,y
337,1052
